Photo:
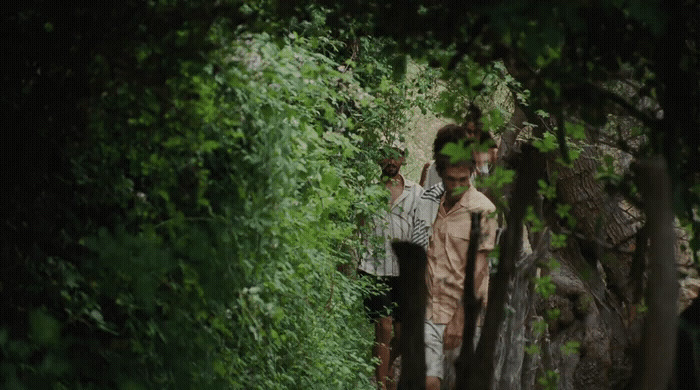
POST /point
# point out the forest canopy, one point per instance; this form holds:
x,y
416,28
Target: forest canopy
x,y
186,180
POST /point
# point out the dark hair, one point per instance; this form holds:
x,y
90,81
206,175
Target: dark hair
x,y
446,134
482,136
487,139
474,115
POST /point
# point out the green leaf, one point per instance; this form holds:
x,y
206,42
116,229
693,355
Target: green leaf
x,y
44,329
549,380
575,130
553,314
547,143
549,191
537,225
533,349
544,286
563,210
457,152
539,327
330,180
570,348
208,146
558,240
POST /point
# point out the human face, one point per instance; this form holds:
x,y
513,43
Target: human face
x,y
455,176
471,130
392,164
482,162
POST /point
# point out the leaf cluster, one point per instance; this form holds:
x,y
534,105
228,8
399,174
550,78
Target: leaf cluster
x,y
213,161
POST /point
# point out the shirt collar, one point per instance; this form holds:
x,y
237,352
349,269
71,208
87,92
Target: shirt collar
x,y
404,192
464,201
467,196
406,183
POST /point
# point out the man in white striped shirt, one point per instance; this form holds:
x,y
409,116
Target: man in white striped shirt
x,y
381,263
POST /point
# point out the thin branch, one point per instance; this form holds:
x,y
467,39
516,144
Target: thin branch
x,y
471,305
633,111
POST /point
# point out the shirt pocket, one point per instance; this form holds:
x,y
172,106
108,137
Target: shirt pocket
x,y
458,240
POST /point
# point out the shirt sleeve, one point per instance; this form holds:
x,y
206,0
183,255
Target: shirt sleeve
x,y
426,212
419,233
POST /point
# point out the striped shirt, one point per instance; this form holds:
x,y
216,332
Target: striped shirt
x,y
429,203
396,225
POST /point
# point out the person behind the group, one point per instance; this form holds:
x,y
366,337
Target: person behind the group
x,y
429,176
381,263
445,214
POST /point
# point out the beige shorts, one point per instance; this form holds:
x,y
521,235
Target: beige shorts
x,y
434,354
440,362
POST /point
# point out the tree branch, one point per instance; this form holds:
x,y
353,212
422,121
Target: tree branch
x,y
633,111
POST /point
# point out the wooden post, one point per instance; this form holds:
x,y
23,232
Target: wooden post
x,y
472,306
412,262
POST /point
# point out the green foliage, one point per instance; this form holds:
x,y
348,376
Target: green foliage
x,y
547,143
539,327
563,211
216,186
469,82
544,286
549,380
642,307
536,224
607,172
533,349
553,314
547,190
571,347
458,151
567,145
557,240
496,182
575,130
553,264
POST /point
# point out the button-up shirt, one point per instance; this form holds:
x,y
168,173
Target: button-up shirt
x,y
396,225
447,249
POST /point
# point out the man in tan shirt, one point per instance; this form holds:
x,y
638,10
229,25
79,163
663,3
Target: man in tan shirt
x,y
445,212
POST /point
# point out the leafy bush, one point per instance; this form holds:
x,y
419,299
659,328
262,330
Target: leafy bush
x,y
213,183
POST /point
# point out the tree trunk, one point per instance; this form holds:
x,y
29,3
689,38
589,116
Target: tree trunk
x,y
513,367
594,295
660,328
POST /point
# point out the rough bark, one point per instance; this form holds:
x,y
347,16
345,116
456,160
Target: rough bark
x,y
514,369
606,225
593,289
595,296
